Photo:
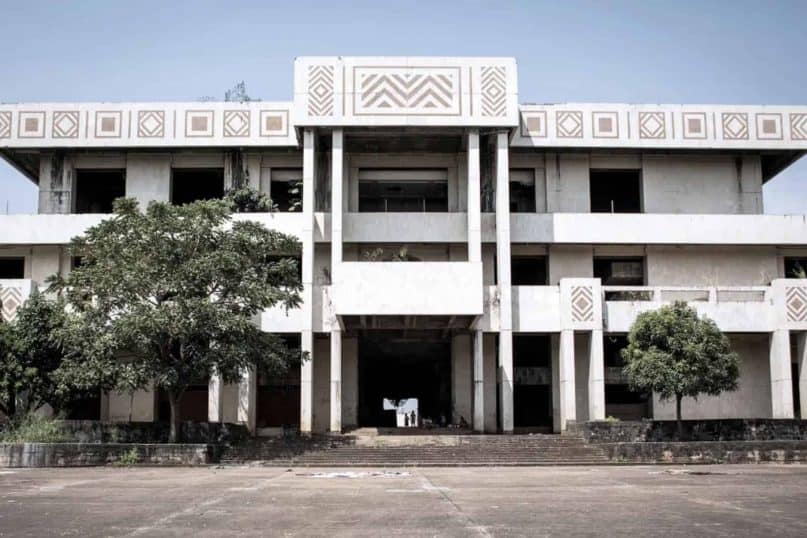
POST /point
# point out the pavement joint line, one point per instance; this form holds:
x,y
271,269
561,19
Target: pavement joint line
x,y
470,524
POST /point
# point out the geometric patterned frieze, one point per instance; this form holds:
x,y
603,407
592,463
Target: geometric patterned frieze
x,y
10,301
694,125
652,125
392,91
533,124
199,123
769,126
582,304
735,126
494,91
320,90
108,124
798,126
65,124
569,124
796,303
274,122
31,124
236,123
5,124
150,123
605,124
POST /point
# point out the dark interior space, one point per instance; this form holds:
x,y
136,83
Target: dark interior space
x,y
620,401
192,184
619,271
616,191
12,268
277,403
794,377
403,197
286,189
192,405
395,367
84,407
532,388
522,191
795,267
97,189
528,271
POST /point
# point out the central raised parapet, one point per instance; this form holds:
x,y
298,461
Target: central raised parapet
x,y
405,91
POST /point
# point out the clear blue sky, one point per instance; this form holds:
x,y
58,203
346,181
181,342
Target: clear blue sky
x,y
705,51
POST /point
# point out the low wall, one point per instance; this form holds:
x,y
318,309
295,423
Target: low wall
x,y
90,454
659,431
94,431
697,452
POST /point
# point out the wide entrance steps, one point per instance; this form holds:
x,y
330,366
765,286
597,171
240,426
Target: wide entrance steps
x,y
417,450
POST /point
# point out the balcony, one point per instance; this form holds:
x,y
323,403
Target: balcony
x,y
405,227
408,288
13,293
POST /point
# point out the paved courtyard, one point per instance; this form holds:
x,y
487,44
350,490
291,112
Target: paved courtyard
x,y
565,501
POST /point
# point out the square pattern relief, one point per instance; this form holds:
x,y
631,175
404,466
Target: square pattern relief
x,y
274,123
606,124
108,124
769,126
31,125
199,123
694,125
533,124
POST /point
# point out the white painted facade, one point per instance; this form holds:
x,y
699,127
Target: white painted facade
x,y
700,232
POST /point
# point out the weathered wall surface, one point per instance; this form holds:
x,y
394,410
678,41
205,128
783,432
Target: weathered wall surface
x,y
711,266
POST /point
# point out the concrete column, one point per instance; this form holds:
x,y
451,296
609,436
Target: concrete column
x,y
215,399
568,404
247,392
307,239
479,382
474,199
336,381
596,377
461,379
505,296
801,357
781,381
337,186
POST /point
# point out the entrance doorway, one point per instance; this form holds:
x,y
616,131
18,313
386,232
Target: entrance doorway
x,y
396,365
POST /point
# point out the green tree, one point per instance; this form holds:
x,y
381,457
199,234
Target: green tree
x,y
674,353
169,296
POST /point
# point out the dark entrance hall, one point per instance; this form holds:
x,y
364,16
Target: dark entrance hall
x,y
397,366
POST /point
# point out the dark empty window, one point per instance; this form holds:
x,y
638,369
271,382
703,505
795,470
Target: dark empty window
x,y
615,191
528,270
286,189
522,191
97,189
619,271
193,184
401,191
531,350
612,349
12,267
795,267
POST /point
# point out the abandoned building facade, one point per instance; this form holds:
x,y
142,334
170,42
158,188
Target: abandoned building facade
x,y
482,256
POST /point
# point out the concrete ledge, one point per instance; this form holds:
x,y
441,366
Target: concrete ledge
x,y
93,454
707,452
661,431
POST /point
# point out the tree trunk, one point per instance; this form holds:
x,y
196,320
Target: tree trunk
x,y
173,432
678,398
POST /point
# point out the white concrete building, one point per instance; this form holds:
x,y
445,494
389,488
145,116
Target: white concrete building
x,y
484,257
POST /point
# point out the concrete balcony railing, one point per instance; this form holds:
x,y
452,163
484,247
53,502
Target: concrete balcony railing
x,y
405,227
408,288
13,293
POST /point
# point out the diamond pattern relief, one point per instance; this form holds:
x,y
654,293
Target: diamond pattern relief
x,y
65,124
796,301
735,126
569,124
320,90
494,91
798,126
10,301
652,125
582,304
5,124
150,124
236,123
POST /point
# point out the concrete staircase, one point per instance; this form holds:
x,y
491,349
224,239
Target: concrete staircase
x,y
417,450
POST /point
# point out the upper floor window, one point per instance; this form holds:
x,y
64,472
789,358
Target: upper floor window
x,y
403,191
615,191
522,191
96,189
796,267
12,268
192,184
528,271
286,189
619,271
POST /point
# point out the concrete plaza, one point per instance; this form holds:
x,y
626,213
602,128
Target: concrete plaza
x,y
560,501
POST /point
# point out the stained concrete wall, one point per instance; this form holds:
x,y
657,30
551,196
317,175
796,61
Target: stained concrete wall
x,y
581,356
148,177
491,372
567,261
350,382
321,386
142,406
752,399
461,378
711,266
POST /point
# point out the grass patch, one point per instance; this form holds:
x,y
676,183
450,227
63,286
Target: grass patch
x,y
33,428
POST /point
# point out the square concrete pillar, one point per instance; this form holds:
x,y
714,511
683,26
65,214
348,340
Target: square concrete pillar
x,y
215,399
479,381
461,379
504,284
336,381
781,381
801,358
568,404
247,399
307,384
596,377
350,382
474,198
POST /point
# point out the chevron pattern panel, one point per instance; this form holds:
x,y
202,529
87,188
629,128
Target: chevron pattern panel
x,y
582,304
5,124
798,126
320,90
406,90
494,91
796,303
10,301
